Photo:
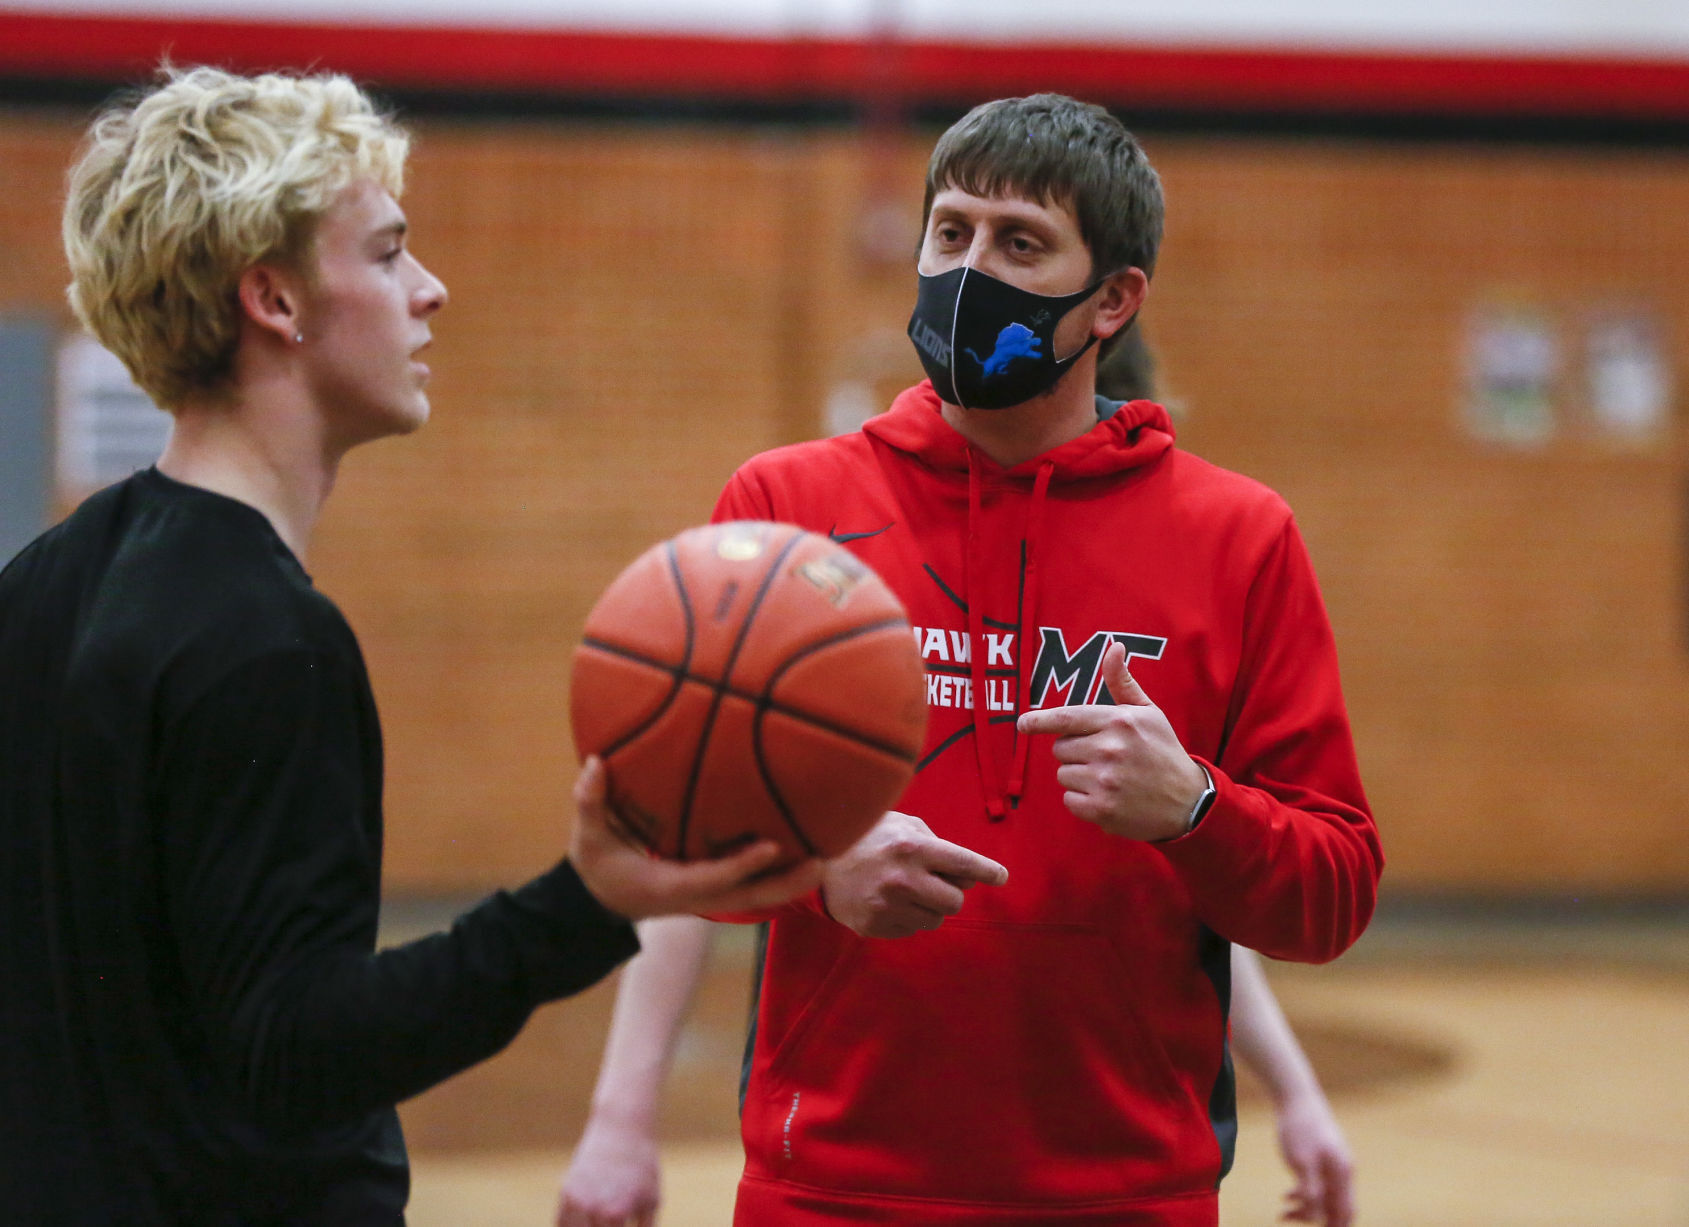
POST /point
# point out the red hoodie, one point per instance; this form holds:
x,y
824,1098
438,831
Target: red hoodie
x,y
1056,1053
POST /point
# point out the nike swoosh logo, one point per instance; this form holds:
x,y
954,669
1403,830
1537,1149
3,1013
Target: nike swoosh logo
x,y
834,534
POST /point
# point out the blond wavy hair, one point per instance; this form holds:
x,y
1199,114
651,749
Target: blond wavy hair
x,y
181,189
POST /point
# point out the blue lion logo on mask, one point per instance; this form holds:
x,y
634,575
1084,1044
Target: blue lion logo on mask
x,y
1015,341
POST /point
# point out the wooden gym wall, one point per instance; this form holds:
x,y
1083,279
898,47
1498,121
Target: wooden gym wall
x,y
635,309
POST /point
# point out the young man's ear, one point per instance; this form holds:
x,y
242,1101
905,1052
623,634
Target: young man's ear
x,y
1118,301
270,298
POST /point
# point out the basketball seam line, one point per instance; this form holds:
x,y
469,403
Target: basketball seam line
x,y
756,700
686,661
766,703
668,699
721,687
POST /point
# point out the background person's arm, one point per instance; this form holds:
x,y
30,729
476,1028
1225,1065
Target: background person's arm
x,y
1309,1137
613,1177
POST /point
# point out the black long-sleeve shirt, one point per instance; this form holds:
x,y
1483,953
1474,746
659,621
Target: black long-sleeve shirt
x,y
195,1026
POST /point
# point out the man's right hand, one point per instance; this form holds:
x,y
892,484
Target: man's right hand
x,y
632,883
900,879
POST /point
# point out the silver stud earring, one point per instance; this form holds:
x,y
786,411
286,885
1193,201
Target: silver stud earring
x,y
299,338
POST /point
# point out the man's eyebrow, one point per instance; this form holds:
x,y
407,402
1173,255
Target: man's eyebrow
x,y
1037,225
397,228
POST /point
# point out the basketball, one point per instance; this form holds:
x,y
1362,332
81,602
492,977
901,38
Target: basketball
x,y
747,680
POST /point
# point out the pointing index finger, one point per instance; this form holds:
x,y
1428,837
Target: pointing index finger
x,y
1062,721
951,861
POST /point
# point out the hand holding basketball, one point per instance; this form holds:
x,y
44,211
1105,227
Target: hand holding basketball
x,y
632,883
900,879
1121,764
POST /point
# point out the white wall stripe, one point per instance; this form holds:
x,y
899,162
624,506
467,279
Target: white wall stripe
x,y
1652,28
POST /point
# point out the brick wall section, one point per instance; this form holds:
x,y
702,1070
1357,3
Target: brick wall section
x,y
635,309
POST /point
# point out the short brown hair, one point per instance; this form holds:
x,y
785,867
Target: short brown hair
x,y
1052,148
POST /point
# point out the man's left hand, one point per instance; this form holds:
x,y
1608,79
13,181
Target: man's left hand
x,y
1121,764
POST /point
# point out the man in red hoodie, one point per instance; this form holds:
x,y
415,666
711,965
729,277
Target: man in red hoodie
x,y
1137,743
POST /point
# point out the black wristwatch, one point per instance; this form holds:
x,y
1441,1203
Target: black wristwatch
x,y
1203,803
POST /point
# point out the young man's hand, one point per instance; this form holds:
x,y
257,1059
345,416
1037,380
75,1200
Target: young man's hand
x,y
901,879
632,883
1121,764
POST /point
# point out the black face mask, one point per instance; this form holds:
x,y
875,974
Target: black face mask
x,y
987,344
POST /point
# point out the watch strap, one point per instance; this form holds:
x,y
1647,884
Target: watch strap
x,y
1203,803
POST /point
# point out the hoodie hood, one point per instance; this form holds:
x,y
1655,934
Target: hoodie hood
x,y
1130,435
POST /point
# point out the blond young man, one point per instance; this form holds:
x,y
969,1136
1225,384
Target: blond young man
x,y
198,1028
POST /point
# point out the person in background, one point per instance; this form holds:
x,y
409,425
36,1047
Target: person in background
x,y
199,1031
1310,1140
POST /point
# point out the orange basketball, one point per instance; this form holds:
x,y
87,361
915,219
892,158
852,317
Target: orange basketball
x,y
744,680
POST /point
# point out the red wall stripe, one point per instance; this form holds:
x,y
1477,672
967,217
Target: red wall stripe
x,y
49,47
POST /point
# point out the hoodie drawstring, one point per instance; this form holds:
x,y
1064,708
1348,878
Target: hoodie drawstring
x,y
1025,650
974,579
998,802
